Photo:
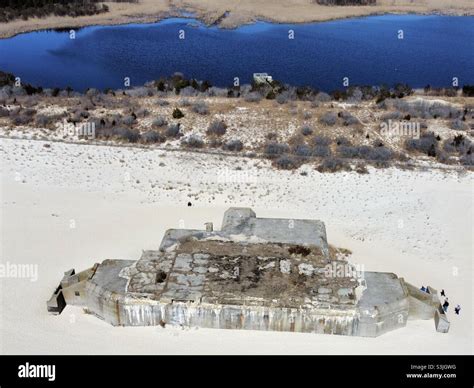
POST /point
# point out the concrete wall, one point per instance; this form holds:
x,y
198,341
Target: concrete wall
x,y
384,305
119,311
243,222
422,304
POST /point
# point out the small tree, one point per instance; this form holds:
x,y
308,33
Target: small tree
x,y
177,114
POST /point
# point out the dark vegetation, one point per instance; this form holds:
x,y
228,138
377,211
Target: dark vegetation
x,y
193,141
431,145
468,90
25,9
177,113
217,128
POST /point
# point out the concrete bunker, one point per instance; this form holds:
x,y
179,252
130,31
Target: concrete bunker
x,y
254,273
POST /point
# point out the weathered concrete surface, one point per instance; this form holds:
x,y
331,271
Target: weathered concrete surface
x,y
422,304
384,305
255,273
441,321
241,224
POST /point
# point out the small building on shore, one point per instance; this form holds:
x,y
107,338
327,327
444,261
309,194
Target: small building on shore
x,y
262,78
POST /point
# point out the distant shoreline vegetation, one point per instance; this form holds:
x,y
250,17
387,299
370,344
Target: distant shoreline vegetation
x,y
275,90
24,9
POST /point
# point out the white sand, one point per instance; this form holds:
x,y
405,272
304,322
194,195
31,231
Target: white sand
x,y
43,189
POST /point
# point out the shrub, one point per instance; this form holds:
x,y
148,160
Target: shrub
x,y
216,92
321,140
307,115
458,125
467,160
361,169
273,149
139,92
286,162
333,165
395,115
426,108
188,91
306,130
457,144
323,97
159,122
92,92
21,119
153,137
282,98
128,120
271,136
142,112
253,97
29,112
161,102
270,95
184,102
377,154
427,143
218,128
328,118
193,141
343,141
42,120
348,118
443,157
321,151
4,112
468,90
127,134
302,150
201,108
173,131
380,154
41,8
177,114
233,145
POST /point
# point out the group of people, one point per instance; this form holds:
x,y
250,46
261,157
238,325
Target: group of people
x,y
445,305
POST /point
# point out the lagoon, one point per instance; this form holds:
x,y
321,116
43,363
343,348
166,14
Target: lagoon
x,y
368,51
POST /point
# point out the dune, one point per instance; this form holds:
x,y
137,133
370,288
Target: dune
x,y
69,205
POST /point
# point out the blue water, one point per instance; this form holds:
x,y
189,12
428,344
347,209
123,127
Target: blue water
x,y
366,50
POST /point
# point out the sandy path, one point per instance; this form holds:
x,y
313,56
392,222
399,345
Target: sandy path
x,y
240,12
416,224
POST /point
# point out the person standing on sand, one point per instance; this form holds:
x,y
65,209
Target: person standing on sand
x,y
445,305
457,309
442,293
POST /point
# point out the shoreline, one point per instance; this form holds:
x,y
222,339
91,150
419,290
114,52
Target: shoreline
x,y
126,14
